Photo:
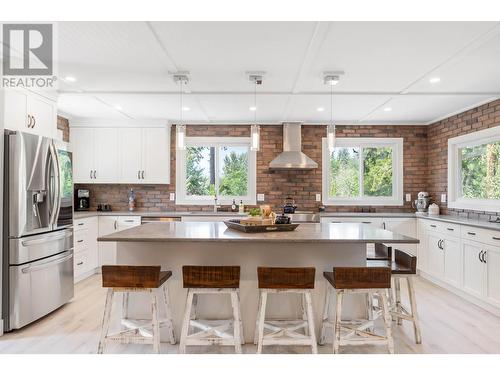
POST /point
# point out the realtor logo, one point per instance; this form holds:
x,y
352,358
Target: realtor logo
x,y
28,55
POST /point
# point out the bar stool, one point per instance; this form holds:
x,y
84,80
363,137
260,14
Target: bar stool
x,y
136,279
373,281
211,280
379,252
284,331
404,267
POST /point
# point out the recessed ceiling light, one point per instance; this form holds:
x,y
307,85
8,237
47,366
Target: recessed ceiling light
x,y
185,109
434,80
118,107
252,108
320,109
387,109
70,79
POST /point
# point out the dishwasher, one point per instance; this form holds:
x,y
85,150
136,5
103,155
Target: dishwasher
x,y
155,219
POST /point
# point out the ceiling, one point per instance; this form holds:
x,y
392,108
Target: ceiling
x,y
122,70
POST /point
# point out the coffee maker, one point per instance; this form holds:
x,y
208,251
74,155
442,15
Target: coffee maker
x,y
422,202
82,200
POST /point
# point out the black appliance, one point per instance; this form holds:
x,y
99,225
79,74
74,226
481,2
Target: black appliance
x,y
289,206
82,200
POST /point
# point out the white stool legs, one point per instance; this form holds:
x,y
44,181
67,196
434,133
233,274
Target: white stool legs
x,y
284,331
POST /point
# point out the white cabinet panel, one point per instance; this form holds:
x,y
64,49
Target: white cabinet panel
x,y
156,155
435,255
404,226
44,115
492,265
82,142
452,261
106,155
112,224
16,111
130,155
86,249
473,280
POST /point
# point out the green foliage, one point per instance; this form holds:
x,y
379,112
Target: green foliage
x,y
481,171
196,182
255,212
234,179
377,178
344,173
66,176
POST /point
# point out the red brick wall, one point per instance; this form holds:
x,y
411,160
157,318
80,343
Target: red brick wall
x,y
276,185
63,124
482,117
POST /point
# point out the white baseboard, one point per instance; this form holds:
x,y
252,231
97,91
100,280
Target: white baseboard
x,y
468,297
86,275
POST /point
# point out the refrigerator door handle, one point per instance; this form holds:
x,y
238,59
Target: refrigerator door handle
x,y
56,203
48,264
46,239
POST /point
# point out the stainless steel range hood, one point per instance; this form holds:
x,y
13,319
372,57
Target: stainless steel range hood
x,y
292,156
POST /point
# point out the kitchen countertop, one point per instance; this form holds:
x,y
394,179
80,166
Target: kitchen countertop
x,y
217,231
84,214
368,214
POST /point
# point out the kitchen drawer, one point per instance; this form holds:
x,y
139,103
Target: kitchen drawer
x,y
490,237
82,240
128,220
82,264
84,223
450,229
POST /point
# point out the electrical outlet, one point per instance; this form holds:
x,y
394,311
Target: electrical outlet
x,y
318,197
260,197
443,198
408,197
172,196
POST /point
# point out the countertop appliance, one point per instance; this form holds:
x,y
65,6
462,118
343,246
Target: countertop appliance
x,y
82,200
37,244
289,206
421,204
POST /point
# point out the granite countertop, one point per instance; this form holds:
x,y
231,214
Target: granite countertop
x,y
84,214
461,220
217,231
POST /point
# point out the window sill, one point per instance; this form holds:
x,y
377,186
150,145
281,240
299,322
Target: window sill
x,y
487,206
353,202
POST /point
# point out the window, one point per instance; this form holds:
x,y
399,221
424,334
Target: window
x,y
363,171
222,167
474,170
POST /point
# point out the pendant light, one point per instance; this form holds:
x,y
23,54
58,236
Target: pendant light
x,y
331,80
181,79
255,128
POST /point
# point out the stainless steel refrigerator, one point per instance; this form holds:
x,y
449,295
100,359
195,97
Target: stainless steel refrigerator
x,y
37,228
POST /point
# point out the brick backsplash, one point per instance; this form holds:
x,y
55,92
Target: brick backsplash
x,y
276,185
63,124
425,163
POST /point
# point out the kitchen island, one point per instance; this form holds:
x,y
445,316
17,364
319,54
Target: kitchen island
x,y
175,244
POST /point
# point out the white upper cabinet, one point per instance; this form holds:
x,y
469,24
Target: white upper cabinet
x,y
121,155
106,155
29,112
156,155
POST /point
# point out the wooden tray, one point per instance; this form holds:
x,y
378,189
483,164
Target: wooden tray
x,y
235,224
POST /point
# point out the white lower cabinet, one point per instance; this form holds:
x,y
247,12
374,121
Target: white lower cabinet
x,y
86,258
112,224
464,258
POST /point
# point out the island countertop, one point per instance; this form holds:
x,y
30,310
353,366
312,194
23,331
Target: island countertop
x,y
218,232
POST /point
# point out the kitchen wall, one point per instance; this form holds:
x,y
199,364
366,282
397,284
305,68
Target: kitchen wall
x,y
63,124
276,185
479,118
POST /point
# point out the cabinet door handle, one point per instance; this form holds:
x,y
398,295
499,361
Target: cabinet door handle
x,y
496,238
114,224
383,225
484,257
471,233
143,175
29,121
95,174
439,244
91,174
79,263
138,175
34,121
79,241
479,256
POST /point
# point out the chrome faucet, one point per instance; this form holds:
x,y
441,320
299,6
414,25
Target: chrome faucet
x,y
215,204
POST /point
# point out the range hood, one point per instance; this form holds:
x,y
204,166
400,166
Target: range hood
x,y
292,156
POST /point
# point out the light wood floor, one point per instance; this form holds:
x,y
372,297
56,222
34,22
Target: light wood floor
x,y
449,325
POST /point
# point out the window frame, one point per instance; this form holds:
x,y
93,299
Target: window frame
x,y
397,172
181,196
455,199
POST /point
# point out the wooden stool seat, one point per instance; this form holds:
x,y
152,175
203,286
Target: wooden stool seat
x,y
371,281
396,268
211,280
136,279
286,331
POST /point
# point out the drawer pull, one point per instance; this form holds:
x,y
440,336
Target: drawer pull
x,y
79,263
451,229
366,222
496,238
129,221
432,225
80,224
471,233
79,241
